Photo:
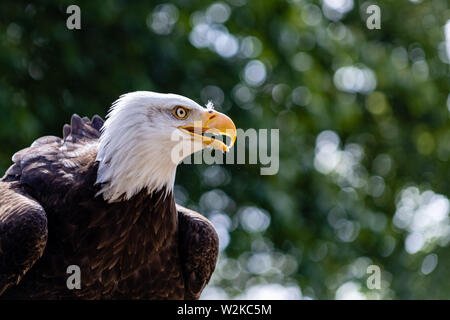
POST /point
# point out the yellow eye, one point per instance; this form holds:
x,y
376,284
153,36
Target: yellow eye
x,y
181,112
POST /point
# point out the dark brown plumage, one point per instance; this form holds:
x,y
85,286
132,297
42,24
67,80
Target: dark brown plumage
x,y
146,247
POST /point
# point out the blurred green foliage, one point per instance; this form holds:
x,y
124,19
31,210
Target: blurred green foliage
x,y
363,116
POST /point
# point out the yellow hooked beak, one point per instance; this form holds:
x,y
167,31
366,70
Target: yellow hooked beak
x,y
214,123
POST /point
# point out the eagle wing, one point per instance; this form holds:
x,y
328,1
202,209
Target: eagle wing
x,y
198,247
23,233
29,185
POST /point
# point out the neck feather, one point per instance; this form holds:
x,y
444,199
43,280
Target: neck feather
x,y
129,164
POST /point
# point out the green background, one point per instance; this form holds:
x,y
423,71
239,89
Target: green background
x,y
363,116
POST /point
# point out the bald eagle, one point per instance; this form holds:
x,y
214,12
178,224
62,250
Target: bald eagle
x,y
101,198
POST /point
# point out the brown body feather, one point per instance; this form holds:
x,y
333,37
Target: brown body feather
x,y
146,247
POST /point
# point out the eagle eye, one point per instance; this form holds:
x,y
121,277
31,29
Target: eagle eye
x,y
181,112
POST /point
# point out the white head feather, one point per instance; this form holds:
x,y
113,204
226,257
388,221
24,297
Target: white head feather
x,y
135,146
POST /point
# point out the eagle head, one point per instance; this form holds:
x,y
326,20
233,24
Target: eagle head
x,y
147,134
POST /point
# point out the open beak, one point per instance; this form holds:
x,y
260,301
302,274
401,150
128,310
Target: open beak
x,y
212,123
